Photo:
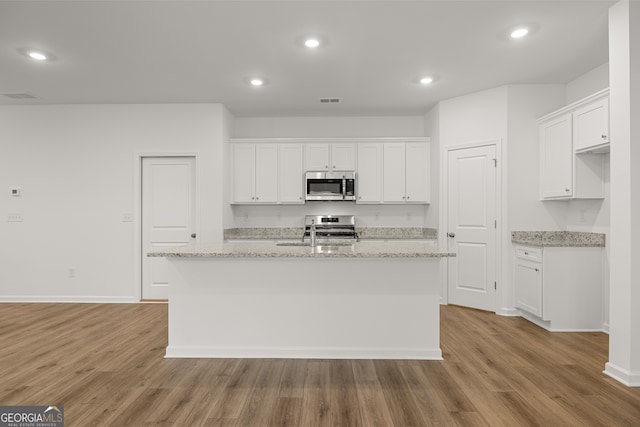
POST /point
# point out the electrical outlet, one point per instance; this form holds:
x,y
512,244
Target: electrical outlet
x,y
14,217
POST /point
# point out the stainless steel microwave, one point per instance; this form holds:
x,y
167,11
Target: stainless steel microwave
x,y
330,185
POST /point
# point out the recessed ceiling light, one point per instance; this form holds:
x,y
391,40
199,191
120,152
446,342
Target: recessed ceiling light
x,y
312,42
38,56
426,80
519,33
256,82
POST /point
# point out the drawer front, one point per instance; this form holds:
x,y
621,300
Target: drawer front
x,y
529,252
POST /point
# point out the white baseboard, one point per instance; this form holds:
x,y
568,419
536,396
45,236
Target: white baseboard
x,y
628,378
301,353
605,328
509,312
68,299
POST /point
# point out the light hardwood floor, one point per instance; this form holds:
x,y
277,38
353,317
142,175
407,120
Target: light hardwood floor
x,y
105,364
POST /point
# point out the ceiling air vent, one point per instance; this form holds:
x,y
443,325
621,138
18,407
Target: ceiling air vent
x,y
19,95
329,100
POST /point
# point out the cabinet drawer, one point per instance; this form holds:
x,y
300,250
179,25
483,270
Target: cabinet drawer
x,y
529,252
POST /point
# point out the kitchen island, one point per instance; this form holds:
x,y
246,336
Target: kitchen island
x,y
368,300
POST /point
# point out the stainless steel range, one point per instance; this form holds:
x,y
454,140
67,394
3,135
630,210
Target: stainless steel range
x,y
330,228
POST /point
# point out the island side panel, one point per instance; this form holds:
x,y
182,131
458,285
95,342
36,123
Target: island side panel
x,y
370,308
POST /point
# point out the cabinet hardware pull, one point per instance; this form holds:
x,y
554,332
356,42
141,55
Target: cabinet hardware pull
x,y
451,234
566,190
604,136
537,269
526,253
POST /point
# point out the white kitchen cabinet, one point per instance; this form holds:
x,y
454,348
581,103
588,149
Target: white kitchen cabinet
x,y
369,173
570,166
406,177
591,127
255,173
556,172
291,173
528,280
560,288
336,157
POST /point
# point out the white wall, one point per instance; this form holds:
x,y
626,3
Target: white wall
x,y
588,83
327,127
75,165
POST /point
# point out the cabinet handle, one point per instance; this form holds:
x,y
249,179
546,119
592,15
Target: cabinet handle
x,y
334,166
359,197
253,198
537,269
408,197
566,190
526,253
604,136
326,166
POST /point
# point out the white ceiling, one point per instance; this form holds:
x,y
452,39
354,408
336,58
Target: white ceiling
x,y
203,51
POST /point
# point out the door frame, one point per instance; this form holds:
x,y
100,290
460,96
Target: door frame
x,y
137,209
500,214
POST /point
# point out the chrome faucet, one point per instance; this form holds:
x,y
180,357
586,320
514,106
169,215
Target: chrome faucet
x,y
312,233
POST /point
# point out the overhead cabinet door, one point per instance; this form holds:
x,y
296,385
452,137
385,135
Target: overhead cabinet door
x,y
266,173
393,173
369,173
556,172
243,173
417,173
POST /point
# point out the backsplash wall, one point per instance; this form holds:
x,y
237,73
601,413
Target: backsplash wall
x,y
293,215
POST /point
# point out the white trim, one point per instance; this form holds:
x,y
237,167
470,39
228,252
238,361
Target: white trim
x,y
302,353
68,299
305,140
628,378
444,211
569,108
137,208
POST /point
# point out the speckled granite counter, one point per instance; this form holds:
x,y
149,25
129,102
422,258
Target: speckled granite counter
x,y
272,250
558,238
282,233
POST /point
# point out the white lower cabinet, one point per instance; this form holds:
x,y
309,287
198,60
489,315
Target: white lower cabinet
x,y
560,288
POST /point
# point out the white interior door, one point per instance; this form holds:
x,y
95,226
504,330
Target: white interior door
x,y
471,222
168,216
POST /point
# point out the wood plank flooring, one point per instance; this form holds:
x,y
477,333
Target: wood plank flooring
x,y
105,364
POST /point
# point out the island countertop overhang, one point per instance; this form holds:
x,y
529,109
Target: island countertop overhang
x,y
273,250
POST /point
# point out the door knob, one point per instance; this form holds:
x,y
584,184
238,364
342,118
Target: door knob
x,y
193,235
451,234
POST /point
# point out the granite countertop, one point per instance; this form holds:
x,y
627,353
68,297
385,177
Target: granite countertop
x,y
272,250
282,233
558,238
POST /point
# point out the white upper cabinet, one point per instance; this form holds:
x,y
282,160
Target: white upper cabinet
x,y
337,157
255,173
556,172
316,157
388,170
343,157
572,141
369,173
591,127
418,177
291,173
406,176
